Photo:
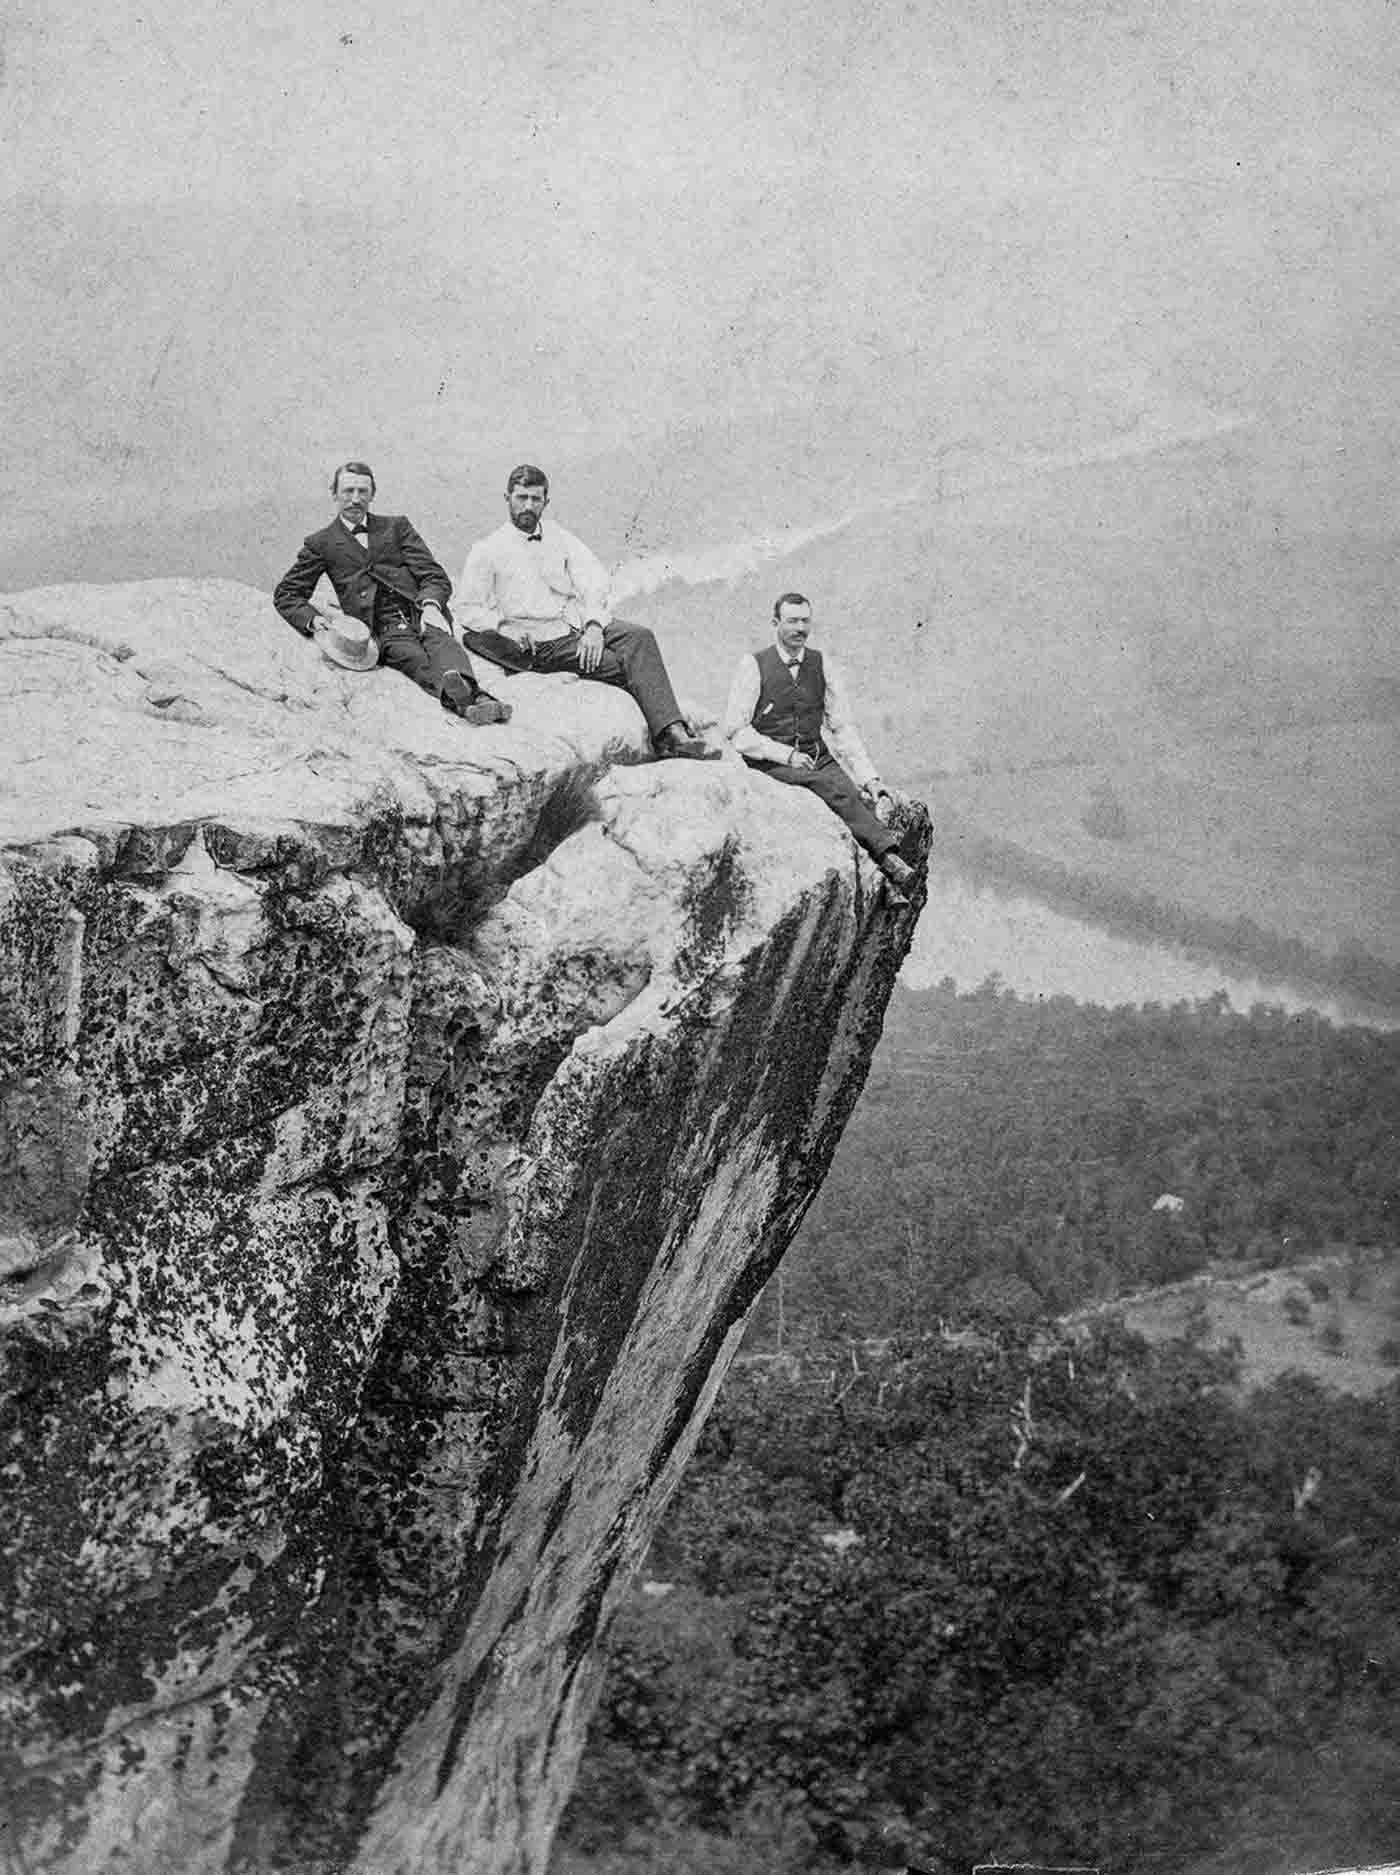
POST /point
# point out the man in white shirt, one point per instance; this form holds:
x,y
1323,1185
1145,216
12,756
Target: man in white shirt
x,y
533,598
789,716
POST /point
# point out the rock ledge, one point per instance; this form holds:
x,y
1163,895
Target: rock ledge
x,y
399,1120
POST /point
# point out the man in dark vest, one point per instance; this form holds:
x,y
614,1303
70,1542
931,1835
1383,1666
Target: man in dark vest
x,y
789,717
385,577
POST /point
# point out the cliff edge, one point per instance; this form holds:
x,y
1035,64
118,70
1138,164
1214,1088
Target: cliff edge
x,y
397,1121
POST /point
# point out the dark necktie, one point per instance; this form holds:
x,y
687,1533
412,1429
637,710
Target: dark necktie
x,y
794,666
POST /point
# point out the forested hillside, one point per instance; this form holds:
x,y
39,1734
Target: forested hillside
x,y
994,1588
1006,1157
1070,1602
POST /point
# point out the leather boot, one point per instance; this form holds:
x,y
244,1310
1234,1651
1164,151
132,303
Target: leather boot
x,y
900,875
469,701
675,740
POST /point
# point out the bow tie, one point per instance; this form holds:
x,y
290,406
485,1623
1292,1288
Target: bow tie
x,y
533,540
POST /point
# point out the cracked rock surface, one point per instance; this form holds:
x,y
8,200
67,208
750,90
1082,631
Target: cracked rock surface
x,y
397,1122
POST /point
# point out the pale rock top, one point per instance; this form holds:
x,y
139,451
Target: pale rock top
x,y
180,700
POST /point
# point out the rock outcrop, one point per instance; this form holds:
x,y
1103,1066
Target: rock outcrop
x,y
397,1121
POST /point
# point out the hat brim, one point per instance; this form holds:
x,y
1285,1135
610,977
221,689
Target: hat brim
x,y
347,649
357,660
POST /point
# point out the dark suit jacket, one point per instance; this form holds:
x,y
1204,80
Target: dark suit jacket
x,y
397,555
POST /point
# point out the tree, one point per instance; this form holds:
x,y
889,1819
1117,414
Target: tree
x,y
1089,1610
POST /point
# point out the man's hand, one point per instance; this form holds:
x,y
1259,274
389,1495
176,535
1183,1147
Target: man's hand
x,y
433,614
590,648
888,802
798,760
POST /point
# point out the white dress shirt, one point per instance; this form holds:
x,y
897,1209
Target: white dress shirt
x,y
546,584
839,731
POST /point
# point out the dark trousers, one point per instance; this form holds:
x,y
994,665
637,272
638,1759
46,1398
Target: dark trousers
x,y
830,783
631,659
427,660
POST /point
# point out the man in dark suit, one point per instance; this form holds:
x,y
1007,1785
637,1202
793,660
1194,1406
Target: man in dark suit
x,y
384,575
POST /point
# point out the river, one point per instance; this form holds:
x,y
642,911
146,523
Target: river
x,y
969,932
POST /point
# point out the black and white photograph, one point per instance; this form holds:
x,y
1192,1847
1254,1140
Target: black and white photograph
x,y
700,937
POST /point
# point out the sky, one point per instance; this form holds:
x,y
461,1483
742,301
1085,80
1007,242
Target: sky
x,y
244,243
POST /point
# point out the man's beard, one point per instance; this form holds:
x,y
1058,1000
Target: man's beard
x,y
527,523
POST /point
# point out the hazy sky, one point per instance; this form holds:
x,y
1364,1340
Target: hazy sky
x,y
243,241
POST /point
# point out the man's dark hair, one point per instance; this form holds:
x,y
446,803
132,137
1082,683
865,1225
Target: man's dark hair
x,y
527,476
355,468
789,598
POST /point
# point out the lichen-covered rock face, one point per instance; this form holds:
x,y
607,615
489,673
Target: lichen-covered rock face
x,y
397,1122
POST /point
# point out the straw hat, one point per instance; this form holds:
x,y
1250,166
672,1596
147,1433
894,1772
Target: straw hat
x,y
345,641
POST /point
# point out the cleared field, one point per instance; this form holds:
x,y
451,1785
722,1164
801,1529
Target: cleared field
x,y
1335,1316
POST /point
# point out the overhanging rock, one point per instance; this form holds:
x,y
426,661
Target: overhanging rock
x,y
399,1120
